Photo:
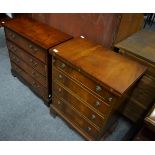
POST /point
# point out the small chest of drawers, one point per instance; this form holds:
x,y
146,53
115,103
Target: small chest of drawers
x,y
141,48
28,42
89,83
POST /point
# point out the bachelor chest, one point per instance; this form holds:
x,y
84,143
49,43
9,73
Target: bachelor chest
x,y
28,42
89,83
140,47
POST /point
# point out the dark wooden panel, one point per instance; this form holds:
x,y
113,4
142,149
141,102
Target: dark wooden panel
x,y
141,99
145,134
97,27
102,28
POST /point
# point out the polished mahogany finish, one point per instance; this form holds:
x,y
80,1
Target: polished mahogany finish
x,y
29,59
94,60
140,47
40,34
28,42
33,84
89,83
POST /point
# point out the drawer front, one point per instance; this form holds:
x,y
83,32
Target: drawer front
x,y
142,98
80,92
86,82
37,76
71,114
37,87
134,111
85,110
27,45
32,61
144,91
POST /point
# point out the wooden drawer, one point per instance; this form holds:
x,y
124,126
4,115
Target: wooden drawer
x,y
134,111
27,45
72,115
142,98
85,82
81,92
32,61
144,92
95,117
37,76
36,86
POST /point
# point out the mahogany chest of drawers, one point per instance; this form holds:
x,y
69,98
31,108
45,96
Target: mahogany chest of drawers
x,y
89,83
28,42
140,47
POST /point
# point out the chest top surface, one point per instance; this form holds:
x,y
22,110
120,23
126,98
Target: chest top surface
x,y
106,66
39,33
141,44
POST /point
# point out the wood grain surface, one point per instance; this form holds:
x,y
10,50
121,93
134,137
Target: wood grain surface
x,y
106,66
37,32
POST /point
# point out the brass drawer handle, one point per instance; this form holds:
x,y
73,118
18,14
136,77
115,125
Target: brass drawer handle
x,y
89,129
13,57
59,102
98,88
110,99
13,36
97,103
63,65
33,83
30,46
17,60
35,64
15,49
34,73
93,116
60,76
37,86
35,49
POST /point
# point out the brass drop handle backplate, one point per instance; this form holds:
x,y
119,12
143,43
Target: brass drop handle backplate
x,y
98,88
